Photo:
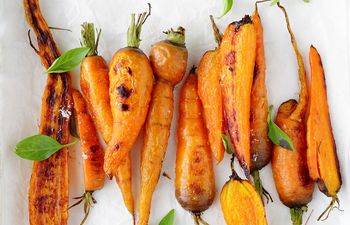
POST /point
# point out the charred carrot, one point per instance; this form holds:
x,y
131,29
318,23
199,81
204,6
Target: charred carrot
x,y
194,182
169,60
238,51
92,152
94,83
131,80
48,190
290,170
260,145
209,91
321,152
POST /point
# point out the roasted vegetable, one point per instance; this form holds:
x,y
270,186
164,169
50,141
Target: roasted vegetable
x,y
131,80
241,203
48,190
94,83
209,92
92,152
290,171
322,156
194,182
169,61
238,51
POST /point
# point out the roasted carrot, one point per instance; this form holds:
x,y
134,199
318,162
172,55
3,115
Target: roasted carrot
x,y
169,61
92,152
321,152
194,181
260,145
94,83
241,203
238,51
290,171
131,80
209,91
48,190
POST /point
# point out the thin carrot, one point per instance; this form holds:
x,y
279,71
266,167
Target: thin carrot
x,y
92,152
169,60
94,83
48,190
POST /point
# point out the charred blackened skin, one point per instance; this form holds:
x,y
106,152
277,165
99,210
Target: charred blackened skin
x,y
116,147
245,20
123,91
94,148
128,69
124,107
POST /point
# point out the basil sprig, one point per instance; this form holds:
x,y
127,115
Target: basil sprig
x,y
168,219
276,135
68,60
227,7
39,147
225,142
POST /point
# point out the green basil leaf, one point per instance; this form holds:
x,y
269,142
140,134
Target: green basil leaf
x,y
39,147
274,2
68,60
278,136
227,7
168,219
225,142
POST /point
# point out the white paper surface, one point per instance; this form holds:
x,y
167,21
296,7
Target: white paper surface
x,y
323,23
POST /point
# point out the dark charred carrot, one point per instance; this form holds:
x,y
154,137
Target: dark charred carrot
x,y
48,190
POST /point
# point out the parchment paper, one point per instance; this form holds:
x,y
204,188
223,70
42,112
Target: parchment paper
x,y
323,23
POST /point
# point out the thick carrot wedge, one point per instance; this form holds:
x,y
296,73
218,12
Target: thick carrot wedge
x,y
209,91
260,145
238,51
131,81
94,83
194,182
48,190
169,60
92,151
322,156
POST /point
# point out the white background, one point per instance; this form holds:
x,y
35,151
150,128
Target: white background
x,y
323,23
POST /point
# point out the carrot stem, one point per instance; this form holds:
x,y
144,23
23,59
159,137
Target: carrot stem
x,y
88,38
260,188
176,37
217,32
134,30
297,215
334,204
88,200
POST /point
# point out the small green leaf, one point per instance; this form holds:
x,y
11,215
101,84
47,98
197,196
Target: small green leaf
x,y
274,2
68,60
278,136
225,142
39,147
168,219
73,126
227,7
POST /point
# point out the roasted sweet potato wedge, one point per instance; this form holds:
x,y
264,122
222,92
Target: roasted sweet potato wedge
x,y
238,51
321,152
241,203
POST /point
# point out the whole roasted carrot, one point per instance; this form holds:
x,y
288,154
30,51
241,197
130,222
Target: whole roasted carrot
x,y
238,54
322,156
48,190
209,91
194,182
290,170
260,145
169,61
131,80
94,83
92,152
